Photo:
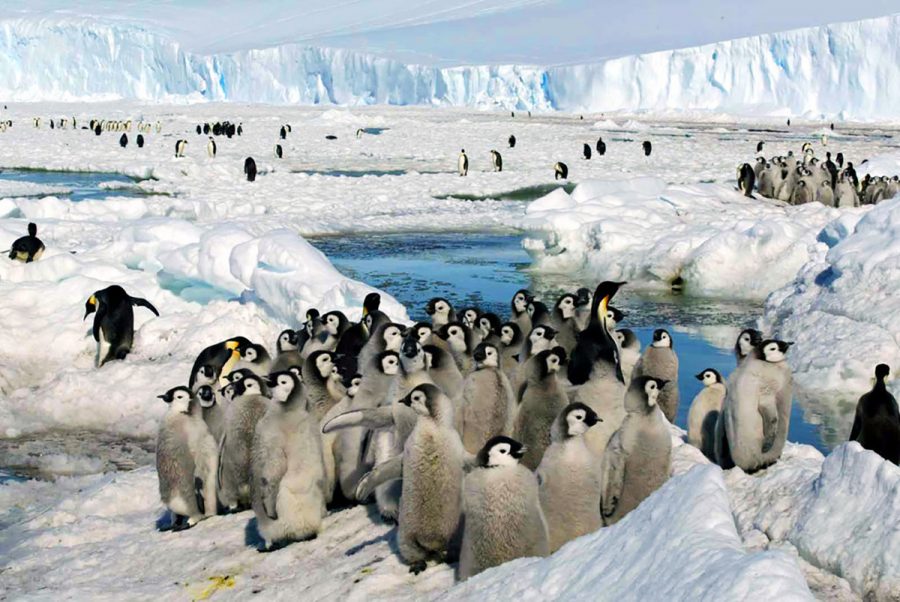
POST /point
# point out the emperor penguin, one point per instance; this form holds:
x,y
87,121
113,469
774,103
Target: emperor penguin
x,y
539,314
639,456
186,460
245,410
629,351
759,146
287,351
564,321
282,133
433,461
320,389
114,321
444,371
441,312
539,339
845,193
287,470
569,478
660,361
601,146
510,346
746,178
541,399
705,411
877,423
746,343
221,358
388,337
140,140
462,165
512,141
279,152
250,169
211,148
503,519
255,358
757,408
27,248
179,148
802,194
560,171
496,161
583,298
334,323
648,148
469,317
123,140
489,327
460,342
586,151
212,411
519,310
488,407
596,371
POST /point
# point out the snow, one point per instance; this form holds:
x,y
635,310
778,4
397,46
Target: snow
x,y
826,70
13,188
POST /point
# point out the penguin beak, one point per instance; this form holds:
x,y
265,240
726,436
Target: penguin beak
x,y
407,401
592,420
479,355
699,376
271,382
518,453
164,397
661,383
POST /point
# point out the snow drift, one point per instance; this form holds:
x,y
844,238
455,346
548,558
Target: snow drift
x,y
826,70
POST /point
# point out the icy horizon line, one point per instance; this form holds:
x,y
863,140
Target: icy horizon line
x,y
828,70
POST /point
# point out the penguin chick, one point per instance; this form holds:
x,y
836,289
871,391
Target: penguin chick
x,y
460,342
629,351
445,373
441,312
488,408
114,323
241,417
221,358
569,478
705,411
541,399
255,358
539,314
510,346
583,299
387,337
519,310
637,461
489,327
212,411
318,384
746,343
660,361
287,351
564,320
186,460
877,423
503,517
28,248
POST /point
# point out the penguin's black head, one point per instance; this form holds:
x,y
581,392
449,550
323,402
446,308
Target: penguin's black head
x,y
500,451
282,385
542,332
565,305
335,322
486,354
551,360
253,353
32,229
422,331
179,398
388,362
582,296
438,305
206,373
352,385
772,350
510,334
288,340
662,338
236,375
90,306
410,347
435,357
615,314
318,366
709,376
489,323
206,396
371,303
426,400
602,296
881,372
250,384
747,341
454,331
579,418
470,316
521,300
537,310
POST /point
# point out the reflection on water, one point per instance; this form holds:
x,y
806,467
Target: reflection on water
x,y
487,269
83,185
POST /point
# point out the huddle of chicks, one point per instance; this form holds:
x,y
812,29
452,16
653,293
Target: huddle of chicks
x,y
804,180
485,441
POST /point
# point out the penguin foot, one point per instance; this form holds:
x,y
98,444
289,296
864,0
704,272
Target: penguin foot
x,y
182,526
417,567
389,519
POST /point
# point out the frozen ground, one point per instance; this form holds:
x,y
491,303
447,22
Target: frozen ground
x,y
220,257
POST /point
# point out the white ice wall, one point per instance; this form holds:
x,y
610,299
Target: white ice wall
x,y
852,69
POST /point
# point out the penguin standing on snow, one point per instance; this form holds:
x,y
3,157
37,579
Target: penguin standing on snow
x,y
250,169
660,361
512,141
648,148
560,171
179,148
140,140
462,164
759,146
877,423
279,152
705,411
601,146
496,161
211,148
28,248
123,140
114,321
746,179
586,150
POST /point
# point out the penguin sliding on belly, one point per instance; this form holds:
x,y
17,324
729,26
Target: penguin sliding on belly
x,y
114,321
28,248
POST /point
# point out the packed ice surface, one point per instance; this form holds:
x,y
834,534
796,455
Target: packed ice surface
x,y
823,70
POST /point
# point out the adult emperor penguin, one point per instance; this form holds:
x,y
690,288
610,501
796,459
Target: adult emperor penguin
x,y
288,473
211,148
221,358
586,151
123,140
746,342
503,519
541,399
282,133
462,164
179,148
660,361
648,148
746,178
488,406
560,171
601,146
496,161
569,478
140,140
114,321
245,410
637,461
512,141
705,411
441,312
279,152
596,371
629,351
250,169
757,409
433,461
519,310
186,460
27,248
877,423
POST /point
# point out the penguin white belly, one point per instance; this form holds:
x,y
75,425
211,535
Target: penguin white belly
x,y
102,348
606,396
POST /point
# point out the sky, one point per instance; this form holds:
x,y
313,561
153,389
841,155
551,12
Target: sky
x,y
457,32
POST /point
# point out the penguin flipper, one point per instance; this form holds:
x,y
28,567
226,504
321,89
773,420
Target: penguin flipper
x,y
386,471
198,494
144,303
374,418
269,497
613,476
98,319
769,414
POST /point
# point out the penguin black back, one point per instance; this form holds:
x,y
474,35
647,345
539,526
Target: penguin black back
x,y
28,248
123,140
140,140
586,150
512,141
601,147
114,321
595,343
877,423
250,168
648,148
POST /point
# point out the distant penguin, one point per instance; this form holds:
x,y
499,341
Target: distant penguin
x,y
601,146
199,130
503,519
648,148
462,164
206,128
114,322
877,423
279,152
240,129
832,126
746,178
282,133
759,146
789,123
211,148
28,248
560,171
802,194
250,169
97,130
840,160
638,458
330,137
512,141
661,362
359,133
123,140
705,411
140,140
586,151
179,148
496,161
569,478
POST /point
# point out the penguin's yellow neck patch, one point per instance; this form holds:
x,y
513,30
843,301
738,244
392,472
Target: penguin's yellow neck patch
x,y
602,308
92,300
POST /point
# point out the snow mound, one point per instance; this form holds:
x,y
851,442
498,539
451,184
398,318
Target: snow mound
x,y
14,188
684,537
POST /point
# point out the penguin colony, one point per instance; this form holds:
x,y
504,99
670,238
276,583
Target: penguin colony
x,y
806,179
